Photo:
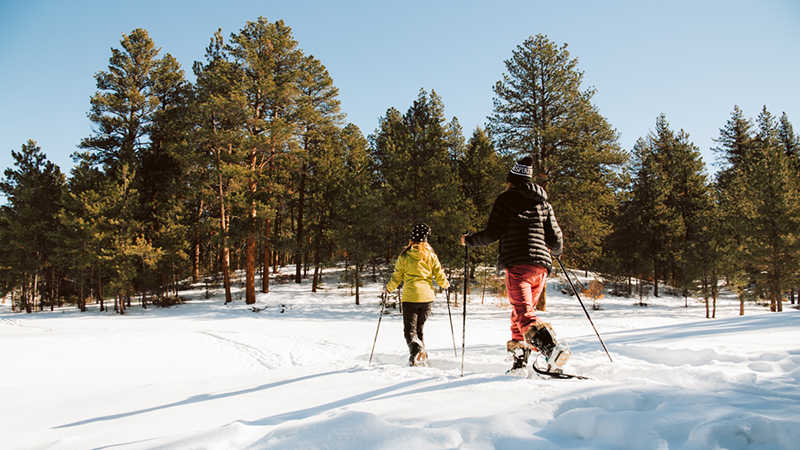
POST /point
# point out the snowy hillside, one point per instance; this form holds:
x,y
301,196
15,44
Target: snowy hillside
x,y
207,376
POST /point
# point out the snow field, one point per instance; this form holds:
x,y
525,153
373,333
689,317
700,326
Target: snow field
x,y
203,375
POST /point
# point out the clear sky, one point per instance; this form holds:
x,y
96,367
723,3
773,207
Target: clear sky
x,y
691,60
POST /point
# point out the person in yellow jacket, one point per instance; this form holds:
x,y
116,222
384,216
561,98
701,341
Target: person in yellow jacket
x,y
417,267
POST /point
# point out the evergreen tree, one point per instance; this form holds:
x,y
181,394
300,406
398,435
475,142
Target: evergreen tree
x,y
416,158
358,218
269,61
735,151
218,113
482,171
541,111
772,227
319,116
138,117
33,192
164,179
326,194
81,242
670,194
759,196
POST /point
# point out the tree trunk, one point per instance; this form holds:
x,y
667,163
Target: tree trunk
x,y
82,300
225,254
655,279
267,255
99,292
299,242
315,282
358,278
541,305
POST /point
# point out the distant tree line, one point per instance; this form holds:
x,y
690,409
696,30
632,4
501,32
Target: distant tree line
x,y
253,167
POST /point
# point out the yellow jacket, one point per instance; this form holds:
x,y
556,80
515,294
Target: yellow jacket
x,y
418,276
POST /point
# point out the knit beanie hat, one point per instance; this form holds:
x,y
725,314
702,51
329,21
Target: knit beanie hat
x,y
522,172
420,232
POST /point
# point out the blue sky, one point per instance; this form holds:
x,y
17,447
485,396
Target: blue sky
x,y
691,60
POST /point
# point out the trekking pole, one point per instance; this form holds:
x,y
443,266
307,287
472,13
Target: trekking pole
x,y
464,325
383,307
450,315
584,308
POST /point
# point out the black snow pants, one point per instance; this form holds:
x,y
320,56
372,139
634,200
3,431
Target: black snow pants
x,y
414,317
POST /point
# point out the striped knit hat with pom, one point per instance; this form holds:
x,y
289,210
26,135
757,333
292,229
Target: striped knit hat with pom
x,y
522,172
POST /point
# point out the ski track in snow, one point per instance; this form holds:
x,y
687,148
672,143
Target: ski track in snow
x,y
212,376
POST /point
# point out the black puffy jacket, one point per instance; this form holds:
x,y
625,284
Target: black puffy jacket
x,y
526,226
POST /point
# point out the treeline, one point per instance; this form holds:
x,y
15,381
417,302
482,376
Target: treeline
x,y
253,166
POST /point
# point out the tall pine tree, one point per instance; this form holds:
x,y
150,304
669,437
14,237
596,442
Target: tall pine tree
x,y
540,110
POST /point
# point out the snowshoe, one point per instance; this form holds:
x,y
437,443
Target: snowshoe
x,y
542,337
519,353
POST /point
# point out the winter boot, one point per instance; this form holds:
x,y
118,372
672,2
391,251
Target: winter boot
x,y
519,354
418,354
542,337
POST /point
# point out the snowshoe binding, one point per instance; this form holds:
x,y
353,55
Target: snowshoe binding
x,y
419,357
519,354
542,337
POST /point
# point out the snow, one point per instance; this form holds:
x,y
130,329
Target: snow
x,y
203,375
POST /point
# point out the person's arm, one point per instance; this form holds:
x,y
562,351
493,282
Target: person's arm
x,y
438,274
495,227
397,276
552,233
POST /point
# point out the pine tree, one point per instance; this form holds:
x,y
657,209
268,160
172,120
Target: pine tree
x,y
735,151
416,157
218,113
772,227
328,188
669,196
358,218
269,62
482,172
759,197
33,192
541,111
164,179
138,117
319,116
81,241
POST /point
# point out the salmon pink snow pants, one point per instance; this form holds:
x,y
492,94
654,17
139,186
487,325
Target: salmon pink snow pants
x,y
524,284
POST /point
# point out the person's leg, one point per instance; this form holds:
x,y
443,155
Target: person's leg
x,y
524,284
423,313
412,329
409,322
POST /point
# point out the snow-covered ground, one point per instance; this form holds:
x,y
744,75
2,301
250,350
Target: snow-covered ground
x,y
203,375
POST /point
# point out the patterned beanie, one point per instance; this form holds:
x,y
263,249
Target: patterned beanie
x,y
420,232
522,172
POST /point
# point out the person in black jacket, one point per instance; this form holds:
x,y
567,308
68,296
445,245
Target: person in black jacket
x,y
526,226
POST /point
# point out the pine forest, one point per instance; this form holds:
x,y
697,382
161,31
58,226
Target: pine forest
x,y
253,167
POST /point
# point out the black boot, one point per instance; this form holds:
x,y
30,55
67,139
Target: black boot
x,y
519,354
541,336
418,354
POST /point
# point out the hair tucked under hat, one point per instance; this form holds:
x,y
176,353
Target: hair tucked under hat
x,y
522,172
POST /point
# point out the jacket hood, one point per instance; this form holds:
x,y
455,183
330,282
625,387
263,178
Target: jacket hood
x,y
531,191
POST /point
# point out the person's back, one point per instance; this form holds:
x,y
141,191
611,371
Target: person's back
x,y
525,224
417,267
